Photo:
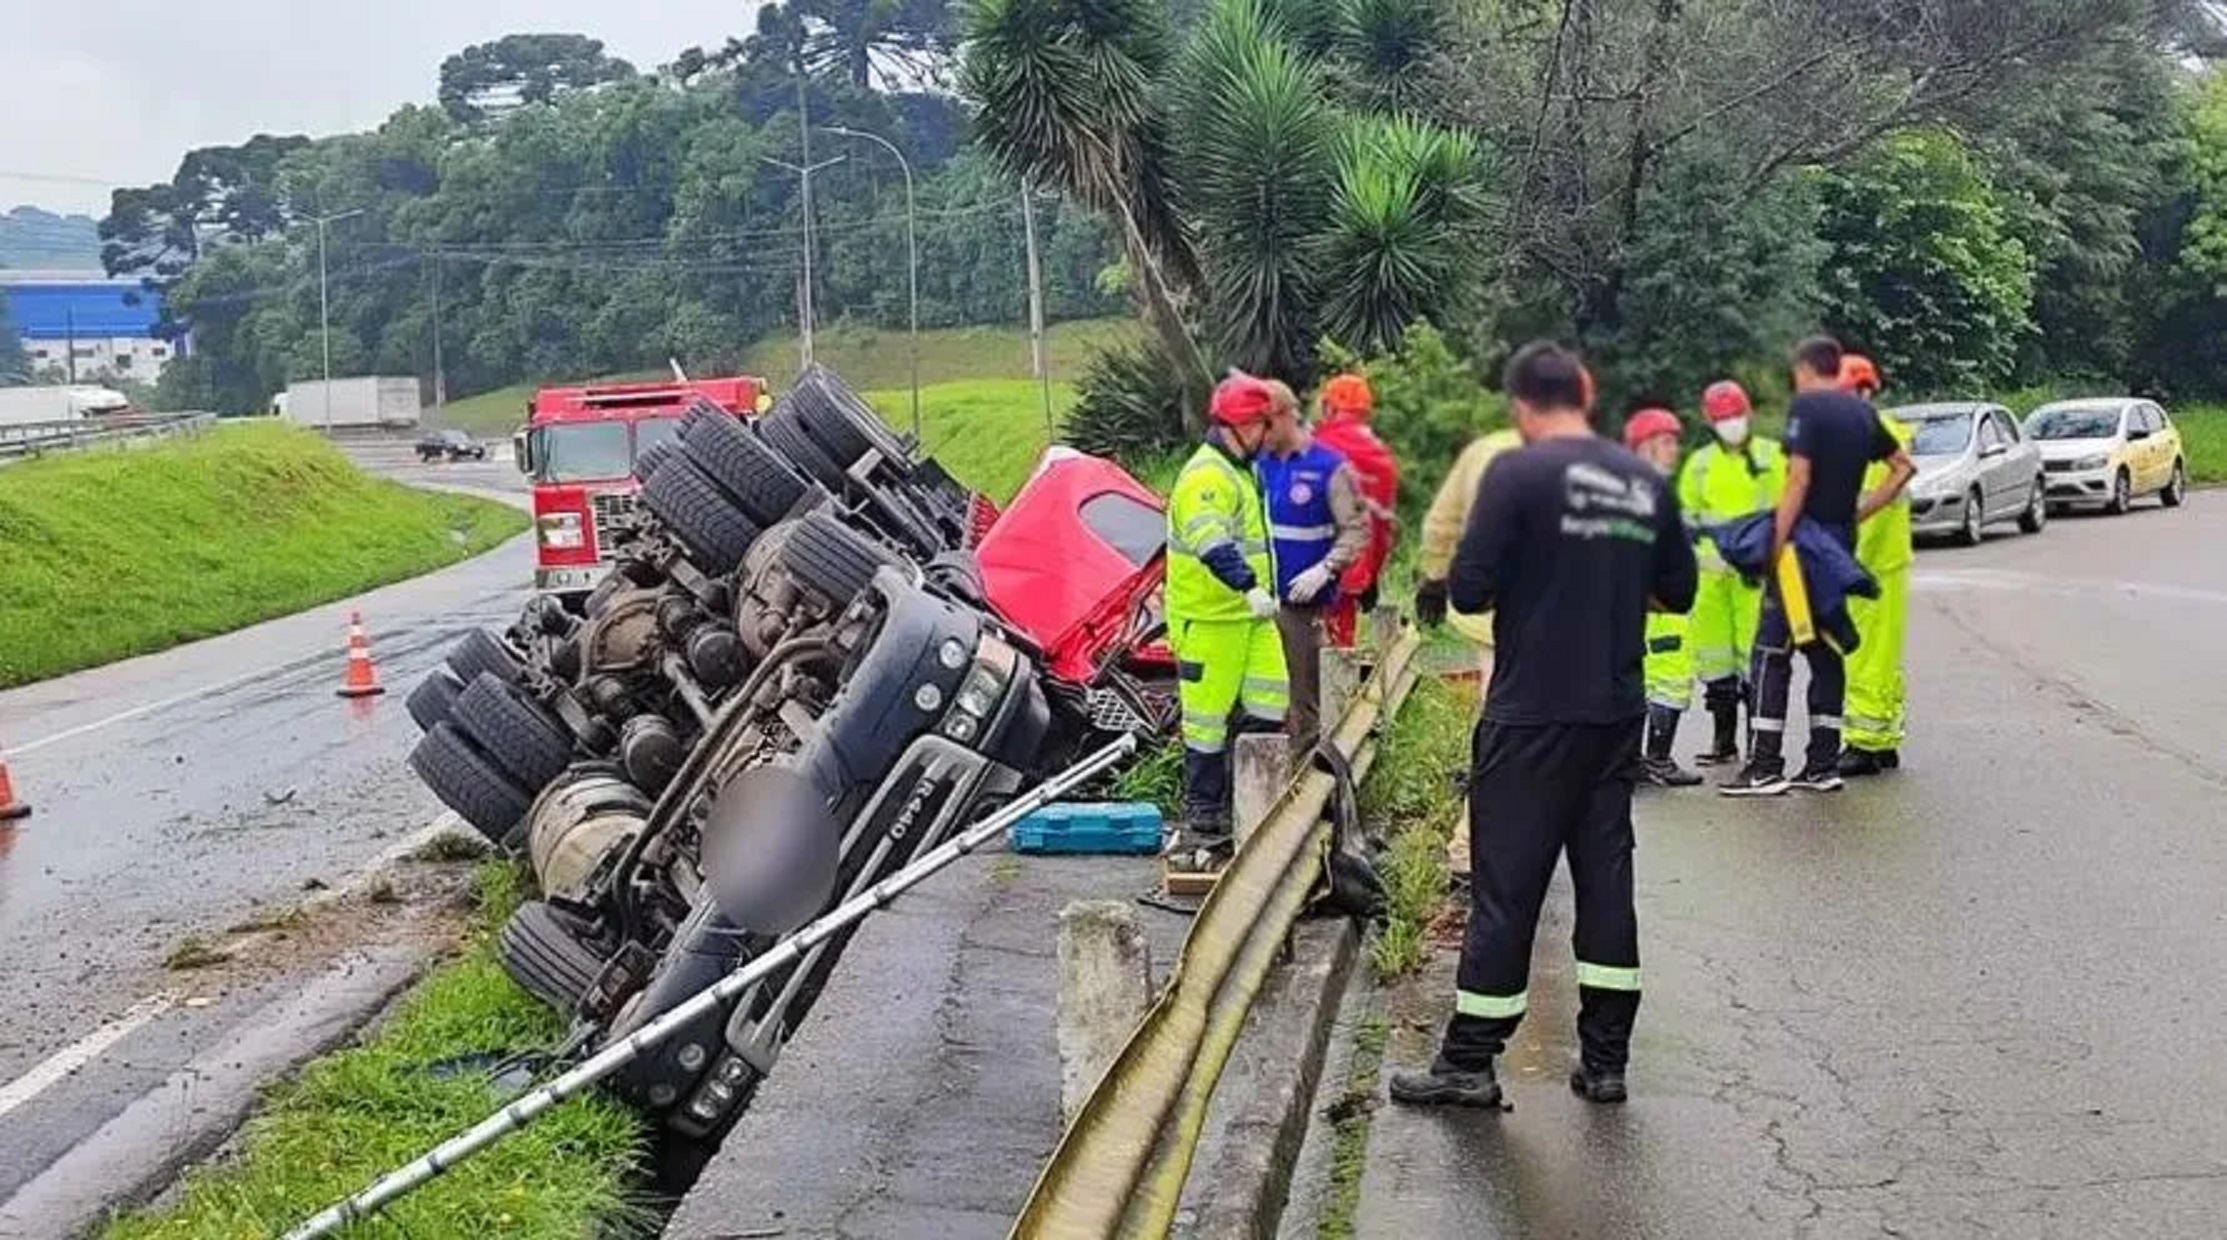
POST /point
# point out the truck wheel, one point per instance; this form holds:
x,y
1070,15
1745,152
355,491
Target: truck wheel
x,y
434,699
548,953
830,558
653,456
842,423
692,506
787,435
735,458
470,782
482,651
519,735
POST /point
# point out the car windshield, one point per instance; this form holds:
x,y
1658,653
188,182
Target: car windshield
x,y
1945,436
655,430
2074,424
457,438
582,452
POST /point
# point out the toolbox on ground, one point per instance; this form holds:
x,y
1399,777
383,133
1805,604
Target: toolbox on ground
x,y
1084,828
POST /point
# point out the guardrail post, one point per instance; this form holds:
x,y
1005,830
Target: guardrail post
x,y
1342,674
1260,771
1105,987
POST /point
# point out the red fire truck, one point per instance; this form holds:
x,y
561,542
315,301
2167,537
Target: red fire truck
x,y
578,449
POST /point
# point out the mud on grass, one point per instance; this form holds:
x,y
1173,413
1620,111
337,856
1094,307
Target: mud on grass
x,y
1413,797
355,1115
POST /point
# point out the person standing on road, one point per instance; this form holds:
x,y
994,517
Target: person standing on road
x,y
1653,434
1347,404
1883,547
1572,541
1318,527
1221,614
1832,438
1738,475
1442,531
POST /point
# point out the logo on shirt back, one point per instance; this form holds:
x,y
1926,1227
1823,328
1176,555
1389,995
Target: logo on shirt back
x,y
1598,503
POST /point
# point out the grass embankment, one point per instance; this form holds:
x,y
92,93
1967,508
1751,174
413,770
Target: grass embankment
x,y
1413,796
987,432
116,553
355,1115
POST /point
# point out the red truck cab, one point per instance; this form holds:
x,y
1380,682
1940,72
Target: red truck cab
x,y
578,450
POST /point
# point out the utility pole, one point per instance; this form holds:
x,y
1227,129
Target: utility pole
x,y
1039,364
324,309
440,376
804,172
69,332
912,258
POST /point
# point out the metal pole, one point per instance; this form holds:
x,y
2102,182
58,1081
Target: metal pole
x,y
912,256
805,171
440,376
788,951
804,149
324,310
1039,364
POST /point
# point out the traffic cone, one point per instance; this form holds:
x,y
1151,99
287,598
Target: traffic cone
x,y
10,808
361,681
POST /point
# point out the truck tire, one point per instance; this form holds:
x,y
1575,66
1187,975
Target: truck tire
x,y
470,783
652,457
828,557
434,699
734,457
482,651
519,735
709,524
787,436
548,955
842,423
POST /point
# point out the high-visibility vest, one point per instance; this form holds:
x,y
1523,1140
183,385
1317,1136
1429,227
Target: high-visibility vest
x,y
1883,542
1720,484
1301,526
1214,503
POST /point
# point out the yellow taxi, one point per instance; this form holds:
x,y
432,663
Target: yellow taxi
x,y
2107,453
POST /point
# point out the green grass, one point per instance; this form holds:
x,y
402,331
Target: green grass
x,y
355,1115
987,432
1351,1117
1411,795
870,358
117,553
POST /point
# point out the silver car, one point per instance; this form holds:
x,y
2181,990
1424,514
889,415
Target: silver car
x,y
1975,468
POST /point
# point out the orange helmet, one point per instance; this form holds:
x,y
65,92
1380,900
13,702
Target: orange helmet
x,y
1724,401
1859,374
1348,394
1648,423
1242,400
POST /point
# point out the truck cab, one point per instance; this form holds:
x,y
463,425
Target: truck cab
x,y
578,451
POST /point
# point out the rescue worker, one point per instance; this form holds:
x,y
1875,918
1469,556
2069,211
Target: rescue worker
x,y
1653,434
1346,407
1442,530
1221,613
1739,474
1318,527
1873,740
1571,541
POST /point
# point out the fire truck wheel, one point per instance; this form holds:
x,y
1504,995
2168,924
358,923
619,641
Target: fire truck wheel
x,y
788,437
735,458
842,423
549,955
830,558
434,699
469,782
482,651
706,521
519,735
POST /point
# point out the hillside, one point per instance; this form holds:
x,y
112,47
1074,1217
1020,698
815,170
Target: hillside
x,y
34,239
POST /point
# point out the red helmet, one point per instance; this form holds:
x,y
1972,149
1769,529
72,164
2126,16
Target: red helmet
x,y
1242,400
1348,394
1724,401
1859,374
1648,423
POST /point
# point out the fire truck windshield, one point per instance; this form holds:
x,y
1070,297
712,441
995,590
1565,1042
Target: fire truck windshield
x,y
582,452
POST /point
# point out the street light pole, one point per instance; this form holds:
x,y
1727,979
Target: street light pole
x,y
805,172
912,255
324,309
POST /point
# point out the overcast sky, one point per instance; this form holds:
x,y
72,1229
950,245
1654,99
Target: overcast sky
x,y
117,92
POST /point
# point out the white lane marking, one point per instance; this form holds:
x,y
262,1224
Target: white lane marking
x,y
126,716
1996,579
85,1050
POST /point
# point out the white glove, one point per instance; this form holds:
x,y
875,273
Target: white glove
x,y
1310,583
1262,602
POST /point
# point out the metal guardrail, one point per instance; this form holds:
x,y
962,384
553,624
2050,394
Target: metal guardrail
x,y
1120,1169
31,439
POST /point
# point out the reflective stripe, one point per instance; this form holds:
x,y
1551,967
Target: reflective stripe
x,y
1304,533
1669,704
1193,528
1273,688
1826,721
1768,725
1490,1007
1607,977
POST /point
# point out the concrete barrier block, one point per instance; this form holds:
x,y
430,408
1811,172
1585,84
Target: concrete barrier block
x,y
1343,672
1260,772
1105,988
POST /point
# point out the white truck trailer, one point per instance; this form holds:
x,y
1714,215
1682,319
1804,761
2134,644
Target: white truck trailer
x,y
21,406
367,403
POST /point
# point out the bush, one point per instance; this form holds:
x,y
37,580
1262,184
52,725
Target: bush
x,y
1429,406
1128,406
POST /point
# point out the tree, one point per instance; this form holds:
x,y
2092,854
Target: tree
x,y
220,193
523,69
15,364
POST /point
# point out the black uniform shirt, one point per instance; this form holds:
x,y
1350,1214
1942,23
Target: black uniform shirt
x,y
1567,542
1841,435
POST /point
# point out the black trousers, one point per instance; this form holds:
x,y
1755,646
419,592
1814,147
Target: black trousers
x,y
1536,793
1773,677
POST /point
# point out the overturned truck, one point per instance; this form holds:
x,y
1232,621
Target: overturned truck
x,y
803,591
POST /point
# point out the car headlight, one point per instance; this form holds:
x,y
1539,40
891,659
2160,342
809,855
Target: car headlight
x,y
2086,463
563,531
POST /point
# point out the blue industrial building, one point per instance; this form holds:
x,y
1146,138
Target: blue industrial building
x,y
87,325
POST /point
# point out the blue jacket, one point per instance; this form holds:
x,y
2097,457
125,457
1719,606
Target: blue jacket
x,y
1301,526
1830,573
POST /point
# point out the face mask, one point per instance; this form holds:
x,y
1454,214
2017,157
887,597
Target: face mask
x,y
1732,432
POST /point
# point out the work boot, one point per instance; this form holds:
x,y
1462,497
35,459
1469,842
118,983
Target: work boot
x,y
1447,1086
1661,769
1599,1085
1860,763
1724,750
1666,773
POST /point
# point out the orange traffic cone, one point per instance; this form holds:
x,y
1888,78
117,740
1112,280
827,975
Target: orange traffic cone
x,y
361,681
10,808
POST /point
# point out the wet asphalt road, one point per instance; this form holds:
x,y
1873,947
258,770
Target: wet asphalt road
x,y
182,793
1979,998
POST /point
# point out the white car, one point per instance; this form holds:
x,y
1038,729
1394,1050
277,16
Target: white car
x,y
2106,453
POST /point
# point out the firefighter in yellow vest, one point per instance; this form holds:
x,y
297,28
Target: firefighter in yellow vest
x,y
1873,735
1738,475
1442,530
1221,605
1653,434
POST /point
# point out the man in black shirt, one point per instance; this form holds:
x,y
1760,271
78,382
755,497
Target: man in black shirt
x,y
1832,437
1570,542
